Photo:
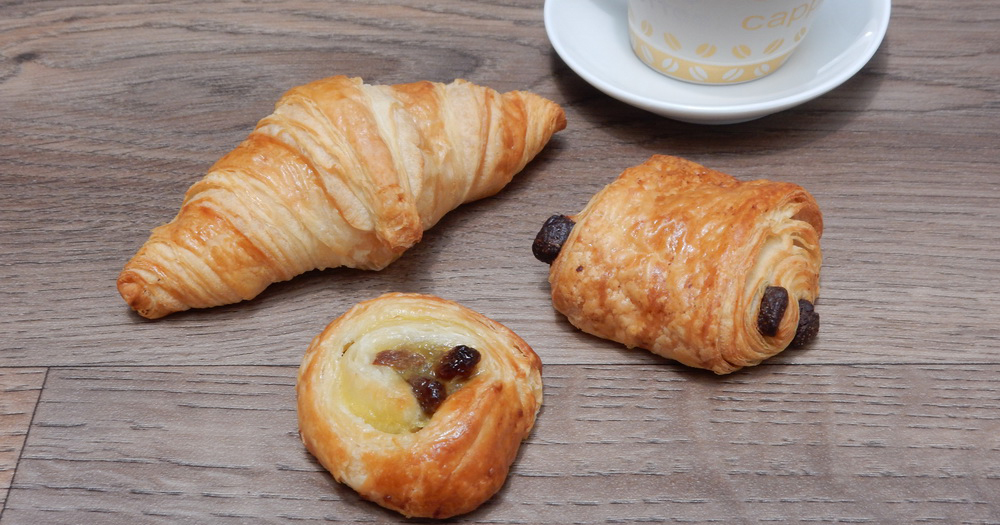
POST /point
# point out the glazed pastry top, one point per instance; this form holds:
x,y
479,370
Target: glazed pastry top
x,y
675,258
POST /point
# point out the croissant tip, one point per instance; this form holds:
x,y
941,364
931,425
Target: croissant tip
x,y
560,123
136,296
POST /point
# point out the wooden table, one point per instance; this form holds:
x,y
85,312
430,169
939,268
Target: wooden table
x,y
109,112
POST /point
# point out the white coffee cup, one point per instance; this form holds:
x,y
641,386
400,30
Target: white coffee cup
x,y
718,41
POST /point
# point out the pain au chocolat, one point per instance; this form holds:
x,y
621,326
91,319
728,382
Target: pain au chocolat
x,y
690,264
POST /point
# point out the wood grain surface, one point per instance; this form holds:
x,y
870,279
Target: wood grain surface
x,y
20,388
643,443
110,111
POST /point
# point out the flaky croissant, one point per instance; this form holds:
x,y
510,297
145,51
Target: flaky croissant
x,y
418,403
340,174
690,264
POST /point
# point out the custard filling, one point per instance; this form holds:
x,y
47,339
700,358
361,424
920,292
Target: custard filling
x,y
432,372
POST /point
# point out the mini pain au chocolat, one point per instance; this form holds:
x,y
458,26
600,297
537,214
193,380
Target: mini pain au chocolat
x,y
690,264
418,403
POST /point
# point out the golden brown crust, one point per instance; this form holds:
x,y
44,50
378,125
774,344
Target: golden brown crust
x,y
340,174
674,257
461,457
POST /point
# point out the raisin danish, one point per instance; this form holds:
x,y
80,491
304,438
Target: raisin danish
x,y
418,403
690,264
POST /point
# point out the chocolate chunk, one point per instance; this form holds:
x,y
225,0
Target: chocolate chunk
x,y
429,393
551,237
772,308
460,362
808,324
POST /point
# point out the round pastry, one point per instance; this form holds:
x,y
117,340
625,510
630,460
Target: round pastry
x,y
690,264
418,403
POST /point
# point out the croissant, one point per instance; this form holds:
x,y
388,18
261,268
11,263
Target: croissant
x,y
418,403
690,264
340,174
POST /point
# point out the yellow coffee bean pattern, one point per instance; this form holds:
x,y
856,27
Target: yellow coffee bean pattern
x,y
705,50
672,41
741,51
647,28
676,67
774,46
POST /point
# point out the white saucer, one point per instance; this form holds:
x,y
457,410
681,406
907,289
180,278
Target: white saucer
x,y
592,38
